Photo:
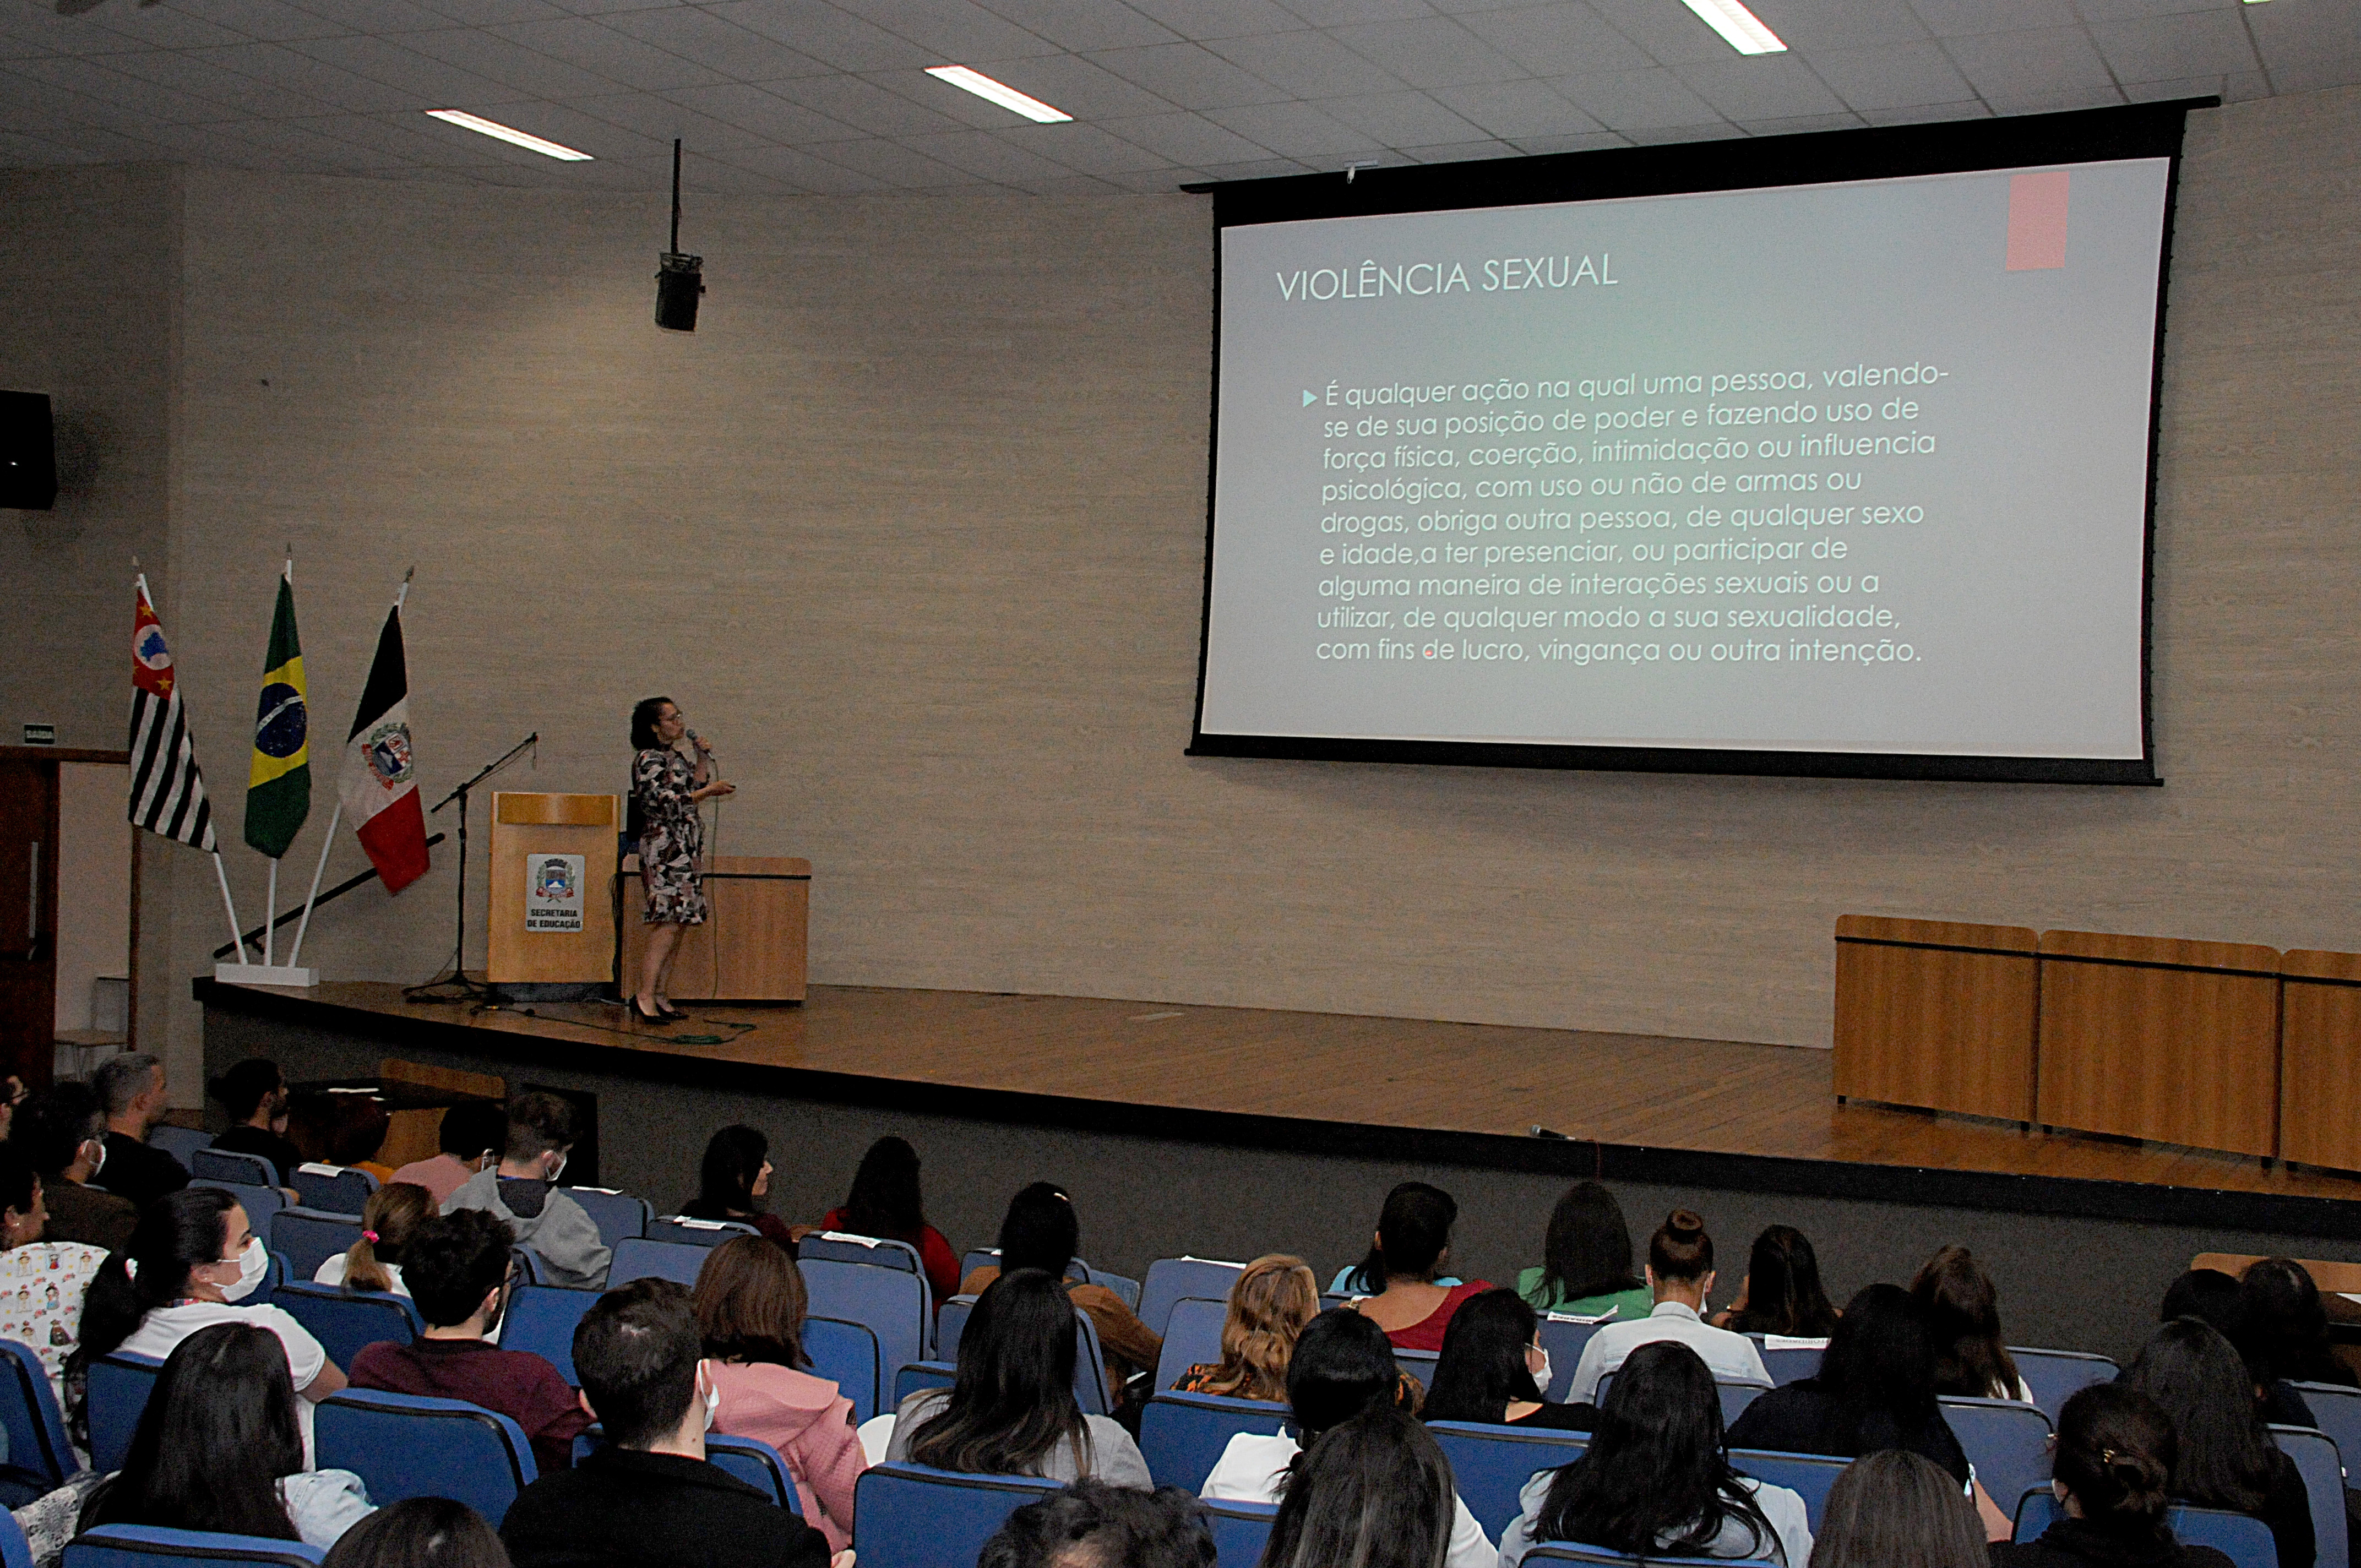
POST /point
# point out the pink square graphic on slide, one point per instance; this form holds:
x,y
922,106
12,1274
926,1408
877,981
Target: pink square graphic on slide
x,y
2037,221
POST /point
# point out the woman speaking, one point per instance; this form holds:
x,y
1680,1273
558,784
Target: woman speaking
x,y
665,791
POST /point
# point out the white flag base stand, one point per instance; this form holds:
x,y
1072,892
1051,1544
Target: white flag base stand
x,y
265,974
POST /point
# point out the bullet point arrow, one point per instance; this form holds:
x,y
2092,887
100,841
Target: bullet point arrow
x,y
1310,398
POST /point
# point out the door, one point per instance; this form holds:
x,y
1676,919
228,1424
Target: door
x,y
29,917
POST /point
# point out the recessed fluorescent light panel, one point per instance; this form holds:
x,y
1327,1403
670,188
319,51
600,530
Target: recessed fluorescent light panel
x,y
1740,28
510,133
1000,92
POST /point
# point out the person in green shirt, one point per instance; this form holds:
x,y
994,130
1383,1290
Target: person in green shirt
x,y
1587,1260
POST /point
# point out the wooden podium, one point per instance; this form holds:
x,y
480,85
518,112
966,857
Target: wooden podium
x,y
751,949
551,856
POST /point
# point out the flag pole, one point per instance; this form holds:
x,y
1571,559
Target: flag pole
x,y
229,905
295,956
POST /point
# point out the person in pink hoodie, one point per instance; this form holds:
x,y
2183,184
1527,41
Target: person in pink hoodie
x,y
750,1307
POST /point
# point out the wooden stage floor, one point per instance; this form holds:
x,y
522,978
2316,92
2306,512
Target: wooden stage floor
x,y
1706,1096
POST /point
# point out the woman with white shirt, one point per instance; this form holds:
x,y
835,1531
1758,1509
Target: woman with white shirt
x,y
1656,1479
374,1262
1680,1276
1342,1367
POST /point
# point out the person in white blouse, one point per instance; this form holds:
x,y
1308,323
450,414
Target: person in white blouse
x,y
1680,1275
1342,1366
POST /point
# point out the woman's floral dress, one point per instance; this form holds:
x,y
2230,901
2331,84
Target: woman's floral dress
x,y
673,837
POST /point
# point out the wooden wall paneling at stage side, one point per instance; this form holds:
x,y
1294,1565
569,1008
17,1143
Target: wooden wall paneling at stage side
x,y
1937,1013
756,947
2160,1038
2320,1058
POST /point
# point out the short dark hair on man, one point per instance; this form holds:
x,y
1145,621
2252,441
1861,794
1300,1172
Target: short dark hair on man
x,y
243,1088
636,1352
453,1262
16,1179
120,1079
538,1123
54,1122
473,1128
1092,1525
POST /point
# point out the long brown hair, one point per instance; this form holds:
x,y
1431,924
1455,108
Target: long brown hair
x,y
1898,1510
1269,1303
1964,1311
393,1216
749,1303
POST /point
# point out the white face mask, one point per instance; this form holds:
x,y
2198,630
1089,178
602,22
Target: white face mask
x,y
252,1263
1542,1373
712,1397
557,1170
98,1161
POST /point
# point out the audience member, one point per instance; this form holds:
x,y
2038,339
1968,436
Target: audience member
x,y
1875,1389
420,1532
2215,1297
255,1094
2285,1327
1092,1525
1656,1478
733,1181
1010,1410
132,1089
1781,1293
1494,1369
459,1274
12,1094
1971,1359
885,1201
1270,1300
473,1134
1367,1277
1411,1245
1041,1231
220,1447
649,1497
42,1282
520,1189
1680,1277
358,1127
1895,1508
389,1218
197,1258
750,1307
2112,1466
1374,1492
1342,1368
2227,1459
62,1130
1586,1268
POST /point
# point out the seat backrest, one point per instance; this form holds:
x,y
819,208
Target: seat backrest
x,y
344,1321
1419,1363
912,1516
1193,1336
2055,1375
2336,1411
405,1445
949,1323
895,1305
617,1214
2317,1460
541,1319
1808,1476
1568,1551
1126,1290
259,1202
2243,1538
1565,1343
15,1552
180,1142
335,1189
29,1416
640,1257
1735,1396
682,1230
919,1374
1091,1390
2008,1442
151,1546
1493,1463
1181,1436
1171,1279
843,1246
750,1459
1240,1532
118,1389
846,1353
1789,1363
210,1165
307,1238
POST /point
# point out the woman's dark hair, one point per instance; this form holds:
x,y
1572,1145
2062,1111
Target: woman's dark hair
x,y
1963,1313
1895,1508
420,1532
18,1178
751,1303
1880,1368
1040,1231
2200,1380
1656,1480
725,1179
1092,1521
1482,1368
1342,1364
644,714
219,1431
473,1128
1680,1249
2283,1331
1588,1249
2206,1293
1413,1231
1784,1295
1374,1492
1013,1400
884,1199
179,1231
243,1088
2115,1454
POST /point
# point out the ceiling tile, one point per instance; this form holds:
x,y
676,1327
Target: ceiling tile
x,y
1891,77
563,123
1090,149
1929,113
2161,48
1965,18
208,77
1809,26
1080,87
663,119
1430,51
2033,71
2095,12
158,26
1186,138
1566,39
1668,29
1462,152
399,140
865,105
433,84
2303,46
988,157
1800,125
765,113
1761,88
1205,19
1258,168
956,30
804,171
1402,119
1158,181
1345,13
1295,130
1516,110
1189,75
721,47
1070,185
300,75
1592,141
377,15
835,38
131,95
494,12
2309,72
616,56
1081,25
1670,135
36,30
506,62
1631,101
893,164
1310,65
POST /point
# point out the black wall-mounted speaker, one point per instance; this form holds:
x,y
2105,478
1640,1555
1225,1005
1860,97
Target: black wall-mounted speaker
x,y
679,280
28,452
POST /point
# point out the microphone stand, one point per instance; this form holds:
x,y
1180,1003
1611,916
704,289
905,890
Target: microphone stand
x,y
467,990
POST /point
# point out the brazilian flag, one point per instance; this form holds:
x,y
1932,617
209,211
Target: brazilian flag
x,y
279,784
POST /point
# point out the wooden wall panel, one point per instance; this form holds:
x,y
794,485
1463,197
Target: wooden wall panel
x,y
1935,1014
2320,1058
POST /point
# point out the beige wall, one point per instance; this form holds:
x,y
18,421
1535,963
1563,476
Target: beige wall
x,y
913,527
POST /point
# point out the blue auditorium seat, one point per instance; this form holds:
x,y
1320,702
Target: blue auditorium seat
x,y
344,1321
212,1166
15,1552
1419,1363
1240,1531
1735,1396
2316,1456
2336,1411
1789,1363
949,1323
405,1445
307,1238
148,1546
683,1231
180,1142
846,1353
1171,1279
259,1202
917,1375
334,1188
617,1214
118,1389
541,1319
1192,1334
1808,1476
2242,1538
1564,1342
637,1258
1493,1463
2055,1375
750,1459
1567,1551
2008,1442
896,1305
29,1415
843,1246
912,1516
1183,1436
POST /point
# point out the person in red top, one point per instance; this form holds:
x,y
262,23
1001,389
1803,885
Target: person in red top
x,y
885,1203
456,1266
1411,1246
